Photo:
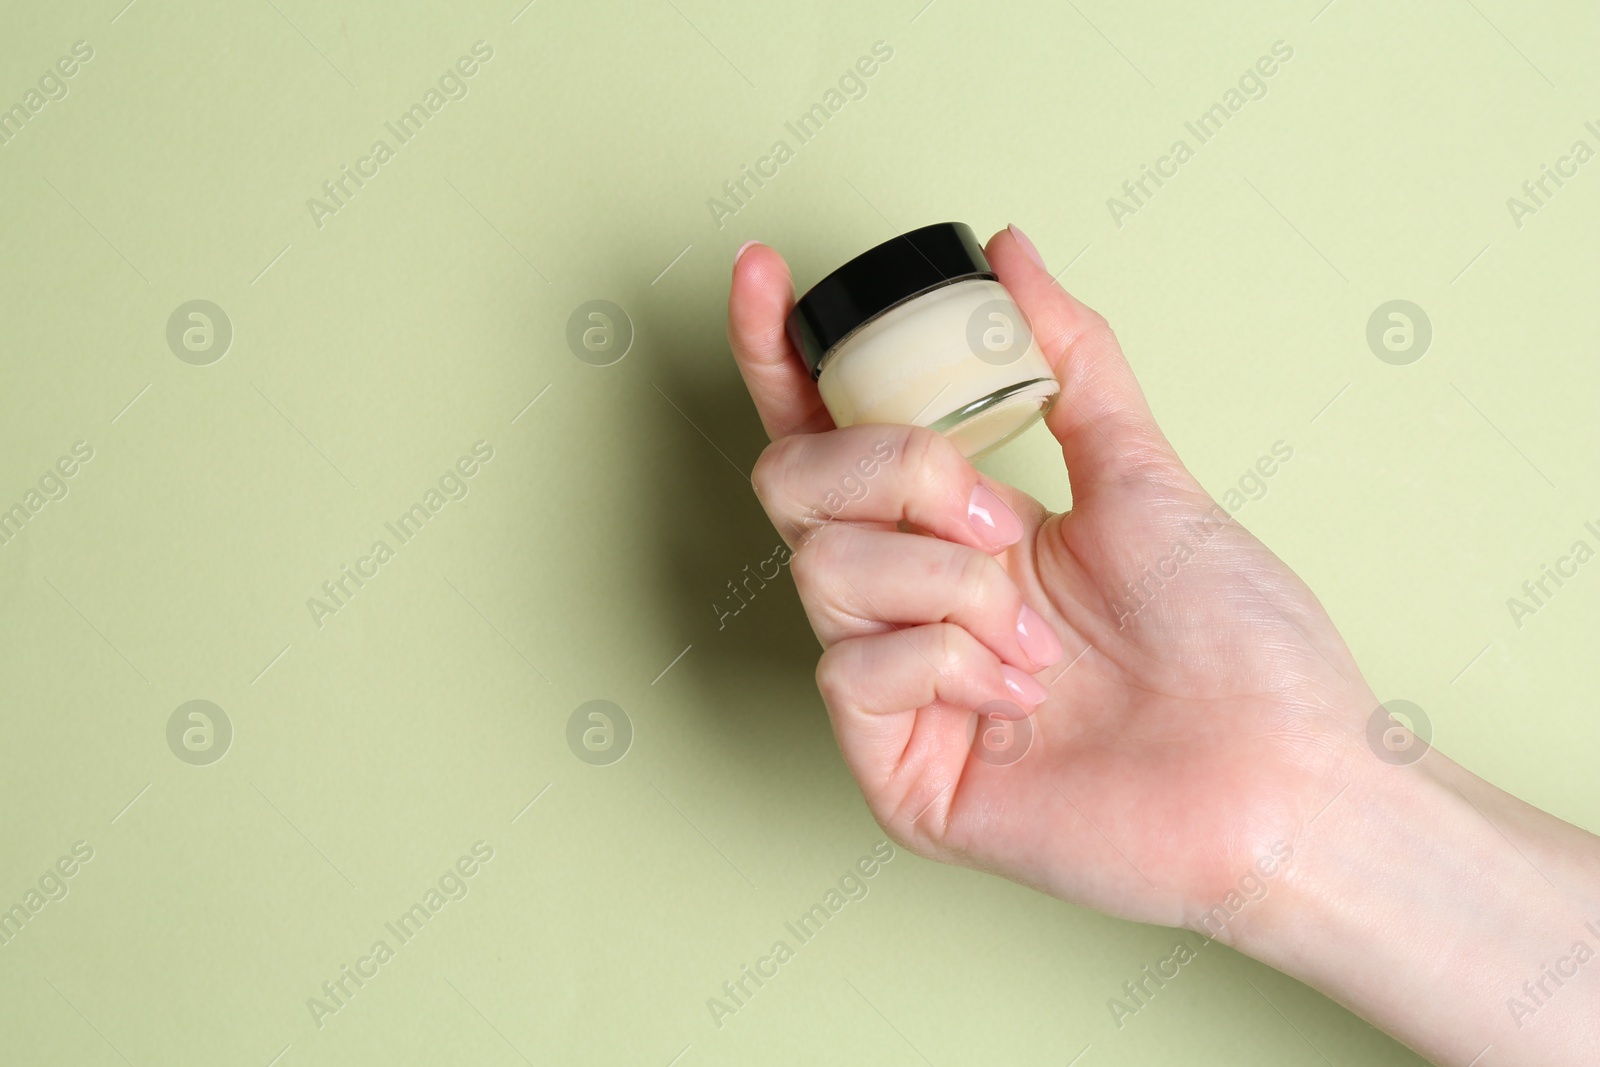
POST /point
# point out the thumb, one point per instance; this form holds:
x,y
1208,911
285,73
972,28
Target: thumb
x,y
1108,435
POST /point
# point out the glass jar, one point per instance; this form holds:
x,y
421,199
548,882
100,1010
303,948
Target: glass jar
x,y
919,331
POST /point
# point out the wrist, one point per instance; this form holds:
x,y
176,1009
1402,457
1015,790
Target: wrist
x,y
1425,899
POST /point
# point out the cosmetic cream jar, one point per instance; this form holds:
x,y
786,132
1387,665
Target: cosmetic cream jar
x,y
919,331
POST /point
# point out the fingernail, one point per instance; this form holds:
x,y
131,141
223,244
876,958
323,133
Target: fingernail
x,y
994,522
1038,641
1024,687
1027,245
742,250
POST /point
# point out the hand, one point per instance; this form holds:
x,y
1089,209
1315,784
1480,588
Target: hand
x,y
1200,753
1192,703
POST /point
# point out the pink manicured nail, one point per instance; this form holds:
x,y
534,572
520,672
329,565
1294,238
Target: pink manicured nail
x,y
1027,245
996,524
1024,687
742,250
1038,641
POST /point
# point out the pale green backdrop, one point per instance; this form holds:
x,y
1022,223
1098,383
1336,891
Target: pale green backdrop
x,y
373,346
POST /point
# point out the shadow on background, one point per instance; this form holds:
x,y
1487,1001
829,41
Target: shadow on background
x,y
754,660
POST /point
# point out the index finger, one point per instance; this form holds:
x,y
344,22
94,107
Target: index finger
x,y
778,380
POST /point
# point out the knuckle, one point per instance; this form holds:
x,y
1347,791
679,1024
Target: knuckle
x,y
1090,328
772,469
834,676
898,820
950,646
818,555
928,460
974,578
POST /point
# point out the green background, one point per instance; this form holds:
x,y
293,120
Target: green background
x,y
371,752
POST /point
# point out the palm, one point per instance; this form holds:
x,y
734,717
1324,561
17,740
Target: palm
x,y
1194,727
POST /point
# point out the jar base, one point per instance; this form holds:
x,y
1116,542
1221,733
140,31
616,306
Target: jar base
x,y
987,423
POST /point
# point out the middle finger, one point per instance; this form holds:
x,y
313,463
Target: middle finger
x,y
856,581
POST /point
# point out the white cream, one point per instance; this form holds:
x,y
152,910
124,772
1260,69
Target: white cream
x,y
919,363
918,331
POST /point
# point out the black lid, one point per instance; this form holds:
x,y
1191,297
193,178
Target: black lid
x,y
879,279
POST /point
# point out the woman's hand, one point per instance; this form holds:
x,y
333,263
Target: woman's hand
x,y
1136,706
1191,703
